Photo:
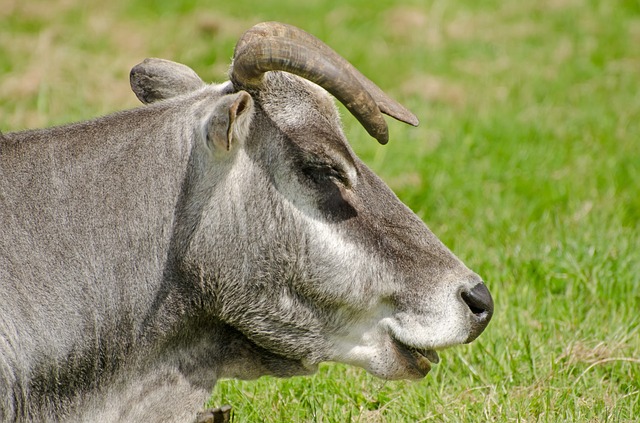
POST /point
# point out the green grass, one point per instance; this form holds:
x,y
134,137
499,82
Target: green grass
x,y
526,163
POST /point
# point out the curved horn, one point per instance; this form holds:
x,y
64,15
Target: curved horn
x,y
275,46
386,104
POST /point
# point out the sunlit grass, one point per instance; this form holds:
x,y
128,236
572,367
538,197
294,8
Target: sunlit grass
x,y
526,163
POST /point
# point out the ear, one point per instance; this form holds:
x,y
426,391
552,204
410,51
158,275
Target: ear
x,y
230,121
159,79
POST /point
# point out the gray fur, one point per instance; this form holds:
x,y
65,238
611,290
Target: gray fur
x,y
141,260
157,79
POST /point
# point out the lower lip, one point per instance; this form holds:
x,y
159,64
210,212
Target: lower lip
x,y
414,359
422,363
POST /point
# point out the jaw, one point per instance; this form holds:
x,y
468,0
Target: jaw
x,y
387,361
243,359
267,364
385,357
396,346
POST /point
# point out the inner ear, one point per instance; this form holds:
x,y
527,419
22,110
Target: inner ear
x,y
240,105
229,123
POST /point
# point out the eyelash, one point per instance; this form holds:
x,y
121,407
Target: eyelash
x,y
321,172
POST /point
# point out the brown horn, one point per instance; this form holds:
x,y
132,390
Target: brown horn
x,y
386,104
275,46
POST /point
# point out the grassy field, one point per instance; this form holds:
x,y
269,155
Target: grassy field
x,y
526,163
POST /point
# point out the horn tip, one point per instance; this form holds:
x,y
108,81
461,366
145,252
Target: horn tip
x,y
404,115
413,120
399,112
382,136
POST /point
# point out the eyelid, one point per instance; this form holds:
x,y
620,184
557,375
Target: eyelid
x,y
330,164
340,175
329,171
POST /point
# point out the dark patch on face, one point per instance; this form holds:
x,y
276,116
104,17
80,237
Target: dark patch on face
x,y
330,182
334,205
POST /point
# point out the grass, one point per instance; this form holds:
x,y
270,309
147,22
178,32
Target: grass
x,y
527,164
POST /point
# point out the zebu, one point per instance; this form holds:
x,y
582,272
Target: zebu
x,y
221,231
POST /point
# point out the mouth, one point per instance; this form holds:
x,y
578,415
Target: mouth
x,y
419,359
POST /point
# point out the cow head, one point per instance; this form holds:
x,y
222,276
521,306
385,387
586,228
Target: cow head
x,y
292,240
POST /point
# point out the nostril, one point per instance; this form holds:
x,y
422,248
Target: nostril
x,y
479,300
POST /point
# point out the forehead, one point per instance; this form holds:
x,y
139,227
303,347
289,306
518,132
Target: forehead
x,y
305,113
290,99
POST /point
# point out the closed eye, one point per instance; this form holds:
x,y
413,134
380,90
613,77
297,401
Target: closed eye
x,y
321,173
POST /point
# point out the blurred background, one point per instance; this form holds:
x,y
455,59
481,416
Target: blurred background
x,y
526,164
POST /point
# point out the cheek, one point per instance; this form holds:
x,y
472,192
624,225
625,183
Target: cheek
x,y
341,274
